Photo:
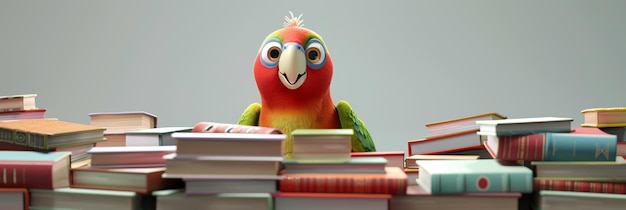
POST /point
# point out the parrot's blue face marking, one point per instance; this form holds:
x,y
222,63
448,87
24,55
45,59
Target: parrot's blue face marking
x,y
314,52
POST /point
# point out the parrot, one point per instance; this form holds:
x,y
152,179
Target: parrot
x,y
293,71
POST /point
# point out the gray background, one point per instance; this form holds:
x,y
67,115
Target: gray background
x,y
400,64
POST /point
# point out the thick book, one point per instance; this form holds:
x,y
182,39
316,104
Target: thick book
x,y
140,180
181,165
120,122
322,143
444,144
394,182
464,176
79,198
394,158
371,165
418,198
582,144
14,198
17,102
343,201
29,169
161,136
581,170
579,186
568,200
39,113
521,126
460,124
604,117
215,127
48,133
130,157
229,144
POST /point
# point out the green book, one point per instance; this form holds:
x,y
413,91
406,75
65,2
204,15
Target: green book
x,y
467,176
154,136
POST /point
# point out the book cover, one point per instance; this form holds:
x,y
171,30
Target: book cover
x,y
140,180
446,143
28,169
37,113
214,127
229,144
221,165
343,201
459,124
410,160
521,126
78,152
394,158
582,144
17,102
604,117
394,181
418,198
161,136
14,198
353,165
581,170
48,133
579,186
482,175
125,157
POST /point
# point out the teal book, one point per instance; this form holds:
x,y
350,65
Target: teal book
x,y
154,136
469,176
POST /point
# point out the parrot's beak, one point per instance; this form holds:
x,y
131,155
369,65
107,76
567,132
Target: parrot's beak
x,y
292,66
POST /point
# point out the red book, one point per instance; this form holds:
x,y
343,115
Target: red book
x,y
445,143
26,169
579,186
393,182
9,198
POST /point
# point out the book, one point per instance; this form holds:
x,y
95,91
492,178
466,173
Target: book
x,y
410,160
460,124
28,169
418,198
17,102
120,122
79,198
161,136
581,170
113,140
604,117
411,175
445,144
214,186
472,150
130,157
140,180
579,186
322,143
371,165
181,165
23,114
465,176
394,158
620,132
521,126
229,144
393,182
78,152
48,133
215,127
343,201
14,198
176,199
582,144
567,200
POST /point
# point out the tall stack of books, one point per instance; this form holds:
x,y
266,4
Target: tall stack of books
x,y
238,170
323,174
578,164
17,107
118,123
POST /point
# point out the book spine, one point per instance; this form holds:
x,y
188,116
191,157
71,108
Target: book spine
x,y
26,175
580,186
24,138
580,147
343,184
522,147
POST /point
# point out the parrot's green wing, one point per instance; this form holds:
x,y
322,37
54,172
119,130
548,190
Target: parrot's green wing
x,y
251,115
361,140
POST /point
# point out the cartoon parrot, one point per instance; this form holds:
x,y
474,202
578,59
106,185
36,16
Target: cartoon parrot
x,y
293,72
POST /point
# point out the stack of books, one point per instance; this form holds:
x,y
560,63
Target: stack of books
x,y
17,107
323,174
238,170
118,123
578,164
611,120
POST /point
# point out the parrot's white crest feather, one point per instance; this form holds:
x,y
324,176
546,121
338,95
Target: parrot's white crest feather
x,y
293,21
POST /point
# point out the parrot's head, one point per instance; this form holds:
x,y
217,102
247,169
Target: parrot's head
x,y
293,63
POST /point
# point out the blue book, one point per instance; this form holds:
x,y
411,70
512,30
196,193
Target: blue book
x,y
469,176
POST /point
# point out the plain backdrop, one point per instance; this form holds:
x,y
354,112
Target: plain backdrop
x,y
401,64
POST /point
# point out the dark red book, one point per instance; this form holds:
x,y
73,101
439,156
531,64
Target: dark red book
x,y
27,169
579,186
394,182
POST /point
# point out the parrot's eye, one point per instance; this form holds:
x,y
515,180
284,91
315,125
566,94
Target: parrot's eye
x,y
270,53
315,54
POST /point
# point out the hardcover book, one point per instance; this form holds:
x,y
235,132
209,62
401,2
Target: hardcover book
x,y
465,176
23,114
582,144
371,165
418,198
154,136
460,124
120,122
521,126
17,102
567,200
604,117
394,158
214,186
322,143
140,180
176,199
214,127
130,157
48,133
579,186
181,165
394,182
113,140
411,160
78,152
229,144
14,198
28,169
343,201
581,170
620,132
445,144
78,198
